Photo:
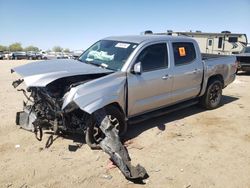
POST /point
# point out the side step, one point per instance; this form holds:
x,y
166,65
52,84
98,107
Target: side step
x,y
162,111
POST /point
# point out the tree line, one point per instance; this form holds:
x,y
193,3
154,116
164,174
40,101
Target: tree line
x,y
15,47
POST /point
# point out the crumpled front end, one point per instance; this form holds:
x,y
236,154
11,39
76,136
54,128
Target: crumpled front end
x,y
42,108
69,104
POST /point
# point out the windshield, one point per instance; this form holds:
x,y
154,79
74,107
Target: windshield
x,y
108,54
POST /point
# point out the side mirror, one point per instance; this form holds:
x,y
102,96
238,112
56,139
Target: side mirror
x,y
137,68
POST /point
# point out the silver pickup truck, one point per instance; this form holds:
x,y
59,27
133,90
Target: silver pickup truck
x,y
116,81
132,77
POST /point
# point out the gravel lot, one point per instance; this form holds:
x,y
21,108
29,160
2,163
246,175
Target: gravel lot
x,y
188,148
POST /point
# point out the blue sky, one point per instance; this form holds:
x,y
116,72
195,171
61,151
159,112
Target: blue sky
x,y
76,24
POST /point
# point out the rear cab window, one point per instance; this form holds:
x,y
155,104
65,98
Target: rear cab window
x,y
154,57
184,53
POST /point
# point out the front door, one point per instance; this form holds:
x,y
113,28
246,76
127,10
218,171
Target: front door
x,y
152,88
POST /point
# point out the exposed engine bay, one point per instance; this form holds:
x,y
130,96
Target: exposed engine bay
x,y
42,110
45,104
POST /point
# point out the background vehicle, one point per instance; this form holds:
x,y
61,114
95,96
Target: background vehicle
x,y
132,77
244,59
19,55
34,55
49,55
225,43
76,54
2,55
55,55
61,55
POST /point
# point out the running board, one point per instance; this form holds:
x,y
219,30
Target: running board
x,y
162,111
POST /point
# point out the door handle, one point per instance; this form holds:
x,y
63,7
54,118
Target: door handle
x,y
165,77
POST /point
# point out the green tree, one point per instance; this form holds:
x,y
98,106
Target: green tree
x,y
31,48
15,47
66,50
3,48
57,49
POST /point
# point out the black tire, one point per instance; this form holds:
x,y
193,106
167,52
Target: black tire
x,y
213,95
94,135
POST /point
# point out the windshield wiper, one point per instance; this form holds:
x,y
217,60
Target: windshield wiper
x,y
102,65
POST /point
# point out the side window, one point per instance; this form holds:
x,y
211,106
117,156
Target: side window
x,y
233,39
184,52
210,42
154,57
220,42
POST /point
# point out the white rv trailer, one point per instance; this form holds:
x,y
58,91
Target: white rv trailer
x,y
226,43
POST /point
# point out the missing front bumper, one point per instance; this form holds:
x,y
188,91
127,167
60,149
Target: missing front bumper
x,y
25,119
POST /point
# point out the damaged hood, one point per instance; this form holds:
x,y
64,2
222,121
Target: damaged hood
x,y
39,74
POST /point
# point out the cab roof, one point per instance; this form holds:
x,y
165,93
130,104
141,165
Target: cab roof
x,y
144,38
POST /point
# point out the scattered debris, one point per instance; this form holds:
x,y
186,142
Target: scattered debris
x,y
73,148
112,145
97,158
110,165
106,176
157,170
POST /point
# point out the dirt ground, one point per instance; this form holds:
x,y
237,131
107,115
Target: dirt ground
x,y
187,148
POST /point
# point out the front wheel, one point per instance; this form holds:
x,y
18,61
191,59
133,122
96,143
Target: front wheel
x,y
94,135
213,95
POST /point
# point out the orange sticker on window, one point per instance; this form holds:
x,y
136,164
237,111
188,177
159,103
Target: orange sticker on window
x,y
182,51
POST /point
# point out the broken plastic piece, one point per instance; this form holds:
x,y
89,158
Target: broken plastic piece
x,y
112,145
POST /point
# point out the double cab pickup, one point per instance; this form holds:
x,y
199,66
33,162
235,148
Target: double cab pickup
x,y
132,77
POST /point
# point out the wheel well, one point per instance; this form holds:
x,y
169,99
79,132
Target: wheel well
x,y
116,105
216,77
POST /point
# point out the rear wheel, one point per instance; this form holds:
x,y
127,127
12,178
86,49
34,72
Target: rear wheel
x,y
94,135
213,95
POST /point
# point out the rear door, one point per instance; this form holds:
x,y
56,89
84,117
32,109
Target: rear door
x,y
187,71
152,88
